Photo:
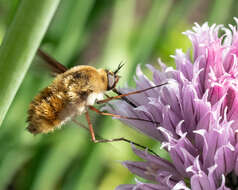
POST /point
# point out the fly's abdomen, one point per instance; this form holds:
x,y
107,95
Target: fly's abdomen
x,y
43,114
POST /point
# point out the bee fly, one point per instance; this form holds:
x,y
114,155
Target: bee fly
x,y
72,93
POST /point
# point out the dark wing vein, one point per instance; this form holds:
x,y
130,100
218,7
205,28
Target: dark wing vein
x,y
57,68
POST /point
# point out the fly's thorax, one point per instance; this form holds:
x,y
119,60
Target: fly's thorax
x,y
84,78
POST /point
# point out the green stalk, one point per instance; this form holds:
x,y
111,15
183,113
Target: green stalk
x,y
20,44
116,49
72,39
150,31
220,11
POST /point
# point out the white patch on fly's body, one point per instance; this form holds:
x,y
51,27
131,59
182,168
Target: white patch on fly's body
x,y
93,97
80,110
72,110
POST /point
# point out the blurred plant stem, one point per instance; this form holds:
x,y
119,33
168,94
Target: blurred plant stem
x,y
72,35
117,44
220,11
149,32
20,44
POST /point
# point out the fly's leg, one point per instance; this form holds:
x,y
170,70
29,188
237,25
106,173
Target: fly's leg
x,y
79,124
120,116
111,140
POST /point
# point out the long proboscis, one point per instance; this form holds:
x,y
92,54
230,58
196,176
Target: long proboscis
x,y
130,93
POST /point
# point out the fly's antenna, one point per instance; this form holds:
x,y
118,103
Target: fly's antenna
x,y
121,64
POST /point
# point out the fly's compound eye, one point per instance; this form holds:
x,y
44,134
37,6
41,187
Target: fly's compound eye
x,y
111,81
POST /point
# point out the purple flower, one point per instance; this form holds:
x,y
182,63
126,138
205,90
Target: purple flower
x,y
197,112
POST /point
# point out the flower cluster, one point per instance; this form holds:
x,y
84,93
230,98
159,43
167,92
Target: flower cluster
x,y
197,112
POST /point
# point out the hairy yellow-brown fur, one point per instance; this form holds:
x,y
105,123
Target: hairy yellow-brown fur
x,y
65,98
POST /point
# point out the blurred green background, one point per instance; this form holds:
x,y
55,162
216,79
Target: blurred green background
x,y
100,33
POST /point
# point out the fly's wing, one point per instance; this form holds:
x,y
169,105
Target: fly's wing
x,y
55,66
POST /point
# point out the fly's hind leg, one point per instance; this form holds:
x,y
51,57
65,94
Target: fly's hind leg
x,y
79,124
110,140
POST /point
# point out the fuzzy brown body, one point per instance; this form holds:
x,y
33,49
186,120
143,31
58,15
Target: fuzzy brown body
x,y
68,96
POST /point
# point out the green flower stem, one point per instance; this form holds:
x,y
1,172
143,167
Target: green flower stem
x,y
219,7
72,35
20,44
117,45
149,32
